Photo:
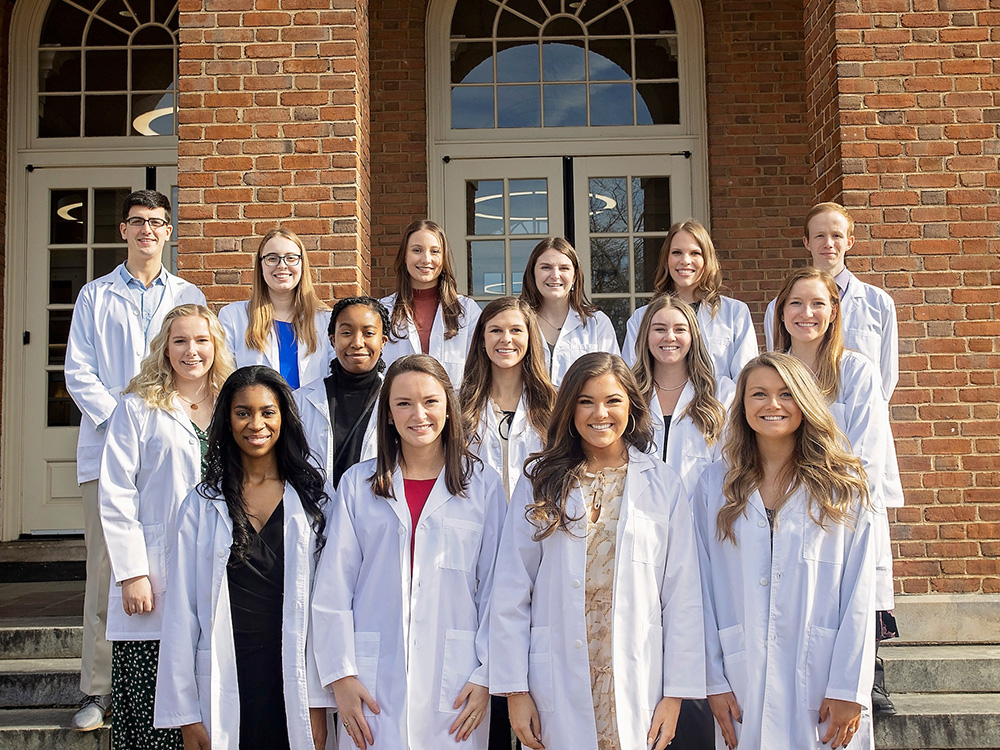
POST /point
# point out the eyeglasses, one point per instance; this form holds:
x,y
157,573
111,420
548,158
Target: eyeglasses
x,y
271,260
138,221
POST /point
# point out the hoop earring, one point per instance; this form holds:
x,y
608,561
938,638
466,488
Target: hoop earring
x,y
630,430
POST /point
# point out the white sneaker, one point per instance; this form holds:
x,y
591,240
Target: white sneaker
x,y
93,711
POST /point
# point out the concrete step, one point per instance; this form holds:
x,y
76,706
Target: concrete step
x,y
41,638
944,721
47,729
942,669
30,683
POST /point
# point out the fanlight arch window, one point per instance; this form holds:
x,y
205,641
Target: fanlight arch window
x,y
564,63
108,68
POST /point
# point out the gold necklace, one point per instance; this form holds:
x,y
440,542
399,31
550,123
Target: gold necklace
x,y
675,388
193,404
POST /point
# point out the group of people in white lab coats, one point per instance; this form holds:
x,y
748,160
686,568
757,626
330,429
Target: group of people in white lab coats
x,y
509,529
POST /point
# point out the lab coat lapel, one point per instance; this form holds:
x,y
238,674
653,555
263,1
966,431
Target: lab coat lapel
x,y
181,418
636,483
296,578
438,497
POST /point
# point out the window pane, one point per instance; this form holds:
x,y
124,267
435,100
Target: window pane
x,y
608,264
63,26
58,116
656,58
519,107
106,70
611,104
58,335
517,62
473,20
484,207
565,105
107,213
152,69
658,104
155,36
563,61
519,252
610,60
486,268
563,26
117,22
619,310
614,23
652,16
608,205
647,257
58,71
471,62
62,412
152,114
106,259
529,210
472,107
530,9
67,275
68,217
105,115
651,204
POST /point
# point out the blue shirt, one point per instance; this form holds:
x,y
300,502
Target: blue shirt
x,y
147,299
288,353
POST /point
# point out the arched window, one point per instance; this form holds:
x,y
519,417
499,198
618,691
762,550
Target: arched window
x,y
564,63
108,68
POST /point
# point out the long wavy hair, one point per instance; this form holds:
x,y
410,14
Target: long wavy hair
x,y
831,348
452,312
558,468
224,459
459,463
372,304
529,287
155,382
260,311
710,286
705,410
822,462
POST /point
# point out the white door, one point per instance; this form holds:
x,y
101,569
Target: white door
x,y
72,237
496,210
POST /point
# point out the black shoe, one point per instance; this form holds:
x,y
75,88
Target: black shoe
x,y
881,704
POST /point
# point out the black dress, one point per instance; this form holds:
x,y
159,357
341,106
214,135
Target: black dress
x,y
256,591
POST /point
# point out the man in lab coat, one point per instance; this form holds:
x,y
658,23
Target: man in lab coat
x,y
114,319
868,322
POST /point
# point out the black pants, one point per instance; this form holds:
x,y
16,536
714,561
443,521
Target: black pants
x,y
695,727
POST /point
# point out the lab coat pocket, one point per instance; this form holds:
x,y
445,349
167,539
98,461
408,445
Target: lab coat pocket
x,y
815,672
460,661
734,659
153,535
649,541
461,539
366,649
821,545
540,673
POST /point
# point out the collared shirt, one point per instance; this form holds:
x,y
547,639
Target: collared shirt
x,y
147,299
842,279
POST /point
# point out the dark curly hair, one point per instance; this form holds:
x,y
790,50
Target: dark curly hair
x,y
372,304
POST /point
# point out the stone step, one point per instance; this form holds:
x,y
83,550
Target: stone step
x,y
31,683
943,721
41,638
942,669
47,729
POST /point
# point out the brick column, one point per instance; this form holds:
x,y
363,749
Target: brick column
x,y
273,129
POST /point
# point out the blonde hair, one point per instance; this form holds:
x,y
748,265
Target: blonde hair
x,y
711,275
831,207
822,462
705,410
155,382
260,311
831,348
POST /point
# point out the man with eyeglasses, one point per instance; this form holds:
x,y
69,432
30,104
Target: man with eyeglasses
x,y
114,319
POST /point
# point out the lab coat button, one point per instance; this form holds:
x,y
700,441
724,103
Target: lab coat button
x,y
762,524
401,532
578,644
763,581
222,553
576,583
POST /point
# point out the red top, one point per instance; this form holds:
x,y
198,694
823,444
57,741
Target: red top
x,y
425,305
417,491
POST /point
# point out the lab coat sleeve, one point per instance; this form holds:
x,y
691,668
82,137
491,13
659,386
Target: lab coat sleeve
x,y
177,701
333,596
867,418
769,326
890,351
83,379
854,648
119,496
682,611
234,337
518,560
607,339
472,313
631,333
496,507
704,517
744,346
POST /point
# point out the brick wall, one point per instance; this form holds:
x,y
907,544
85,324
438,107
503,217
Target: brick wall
x,y
272,130
920,103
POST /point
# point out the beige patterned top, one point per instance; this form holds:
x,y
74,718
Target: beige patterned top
x,y
602,499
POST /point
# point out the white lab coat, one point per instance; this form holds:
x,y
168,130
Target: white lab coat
x,y
314,411
785,629
729,336
413,638
688,453
579,337
863,416
235,321
868,322
196,677
538,633
451,353
522,442
106,347
152,459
